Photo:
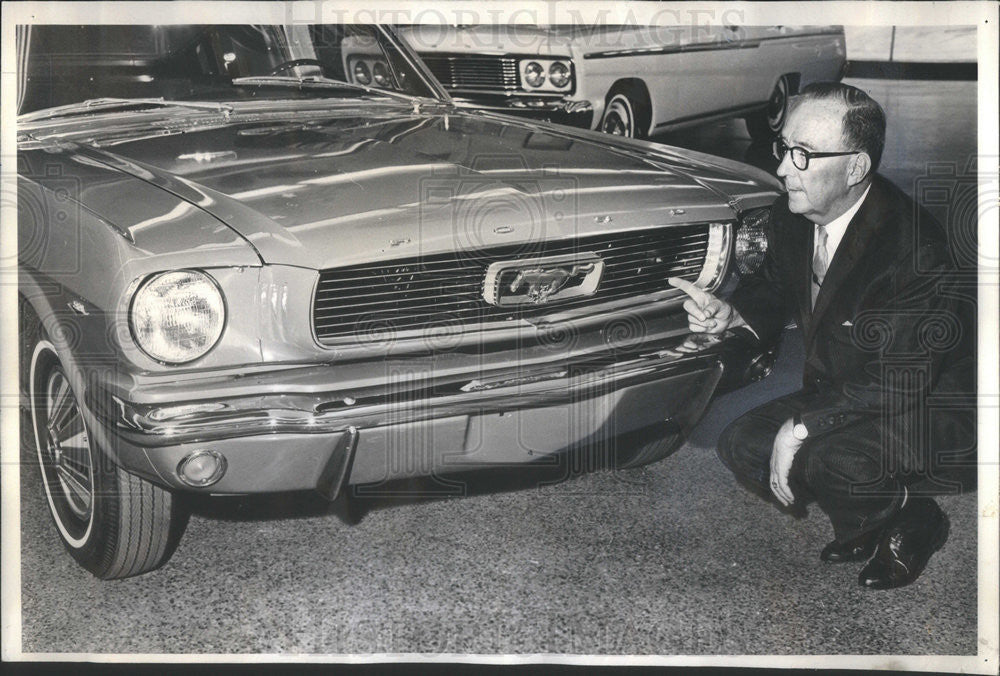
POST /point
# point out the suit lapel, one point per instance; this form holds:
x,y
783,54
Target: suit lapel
x,y
862,228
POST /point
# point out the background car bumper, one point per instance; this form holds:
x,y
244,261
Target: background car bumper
x,y
558,110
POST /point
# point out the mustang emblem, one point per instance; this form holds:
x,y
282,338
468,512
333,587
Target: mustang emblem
x,y
541,280
542,283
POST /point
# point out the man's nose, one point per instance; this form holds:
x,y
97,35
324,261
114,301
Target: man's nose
x,y
784,166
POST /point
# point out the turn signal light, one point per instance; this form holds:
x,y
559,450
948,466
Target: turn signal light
x,y
202,468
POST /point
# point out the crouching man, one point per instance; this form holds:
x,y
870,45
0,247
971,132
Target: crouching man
x,y
866,276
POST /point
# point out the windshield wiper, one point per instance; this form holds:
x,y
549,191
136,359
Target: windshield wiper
x,y
314,82
108,103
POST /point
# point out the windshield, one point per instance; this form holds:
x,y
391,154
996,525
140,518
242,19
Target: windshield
x,y
64,65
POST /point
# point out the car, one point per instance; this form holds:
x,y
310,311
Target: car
x,y
258,259
632,80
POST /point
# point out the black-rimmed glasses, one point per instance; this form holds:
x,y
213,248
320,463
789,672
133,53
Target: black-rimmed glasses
x,y
801,156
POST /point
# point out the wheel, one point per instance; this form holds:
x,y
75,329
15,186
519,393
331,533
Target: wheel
x,y
647,445
619,117
764,124
625,115
113,523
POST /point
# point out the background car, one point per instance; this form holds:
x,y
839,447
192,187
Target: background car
x,y
273,258
633,81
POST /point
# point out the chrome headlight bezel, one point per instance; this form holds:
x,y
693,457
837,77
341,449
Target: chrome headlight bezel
x,y
147,327
713,271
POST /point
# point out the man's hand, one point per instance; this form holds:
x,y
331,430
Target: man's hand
x,y
706,313
782,454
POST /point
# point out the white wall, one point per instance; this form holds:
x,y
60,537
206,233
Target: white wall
x,y
913,43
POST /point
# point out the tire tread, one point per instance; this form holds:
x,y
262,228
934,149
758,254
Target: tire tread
x,y
144,526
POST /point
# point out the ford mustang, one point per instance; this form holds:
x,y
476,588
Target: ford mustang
x,y
278,258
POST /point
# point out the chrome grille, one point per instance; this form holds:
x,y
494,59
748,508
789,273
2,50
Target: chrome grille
x,y
447,289
470,71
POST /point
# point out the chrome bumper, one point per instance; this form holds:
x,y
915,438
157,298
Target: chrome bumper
x,y
286,440
574,113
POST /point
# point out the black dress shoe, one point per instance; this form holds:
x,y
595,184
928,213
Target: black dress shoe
x,y
906,546
860,548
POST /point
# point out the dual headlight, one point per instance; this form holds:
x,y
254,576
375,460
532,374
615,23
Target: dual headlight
x,y
367,71
546,74
177,317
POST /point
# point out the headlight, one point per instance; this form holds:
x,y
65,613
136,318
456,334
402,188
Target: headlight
x,y
534,74
559,74
381,74
361,74
751,241
177,317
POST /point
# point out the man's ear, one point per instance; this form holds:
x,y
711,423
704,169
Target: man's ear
x,y
858,168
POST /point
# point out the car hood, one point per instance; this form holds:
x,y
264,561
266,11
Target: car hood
x,y
350,183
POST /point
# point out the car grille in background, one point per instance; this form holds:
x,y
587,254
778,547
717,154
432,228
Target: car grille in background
x,y
468,71
446,290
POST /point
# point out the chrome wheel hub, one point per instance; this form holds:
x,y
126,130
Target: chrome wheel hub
x,y
68,447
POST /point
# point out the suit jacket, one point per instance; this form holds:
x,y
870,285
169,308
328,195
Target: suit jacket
x,y
893,333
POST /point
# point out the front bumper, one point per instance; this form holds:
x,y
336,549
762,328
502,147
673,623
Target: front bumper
x,y
278,434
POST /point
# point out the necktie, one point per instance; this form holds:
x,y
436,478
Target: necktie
x,y
821,262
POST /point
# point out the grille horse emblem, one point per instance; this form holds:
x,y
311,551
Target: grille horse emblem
x,y
541,283
541,280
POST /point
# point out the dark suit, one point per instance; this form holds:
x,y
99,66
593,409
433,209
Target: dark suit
x,y
889,381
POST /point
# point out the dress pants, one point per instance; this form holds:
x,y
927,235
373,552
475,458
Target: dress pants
x,y
843,471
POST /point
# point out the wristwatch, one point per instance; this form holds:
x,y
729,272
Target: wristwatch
x,y
799,431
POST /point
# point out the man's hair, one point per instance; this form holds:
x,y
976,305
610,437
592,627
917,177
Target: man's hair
x,y
864,121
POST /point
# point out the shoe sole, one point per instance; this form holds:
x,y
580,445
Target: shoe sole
x,y
864,556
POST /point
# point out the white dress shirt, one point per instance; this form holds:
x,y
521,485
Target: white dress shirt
x,y
836,228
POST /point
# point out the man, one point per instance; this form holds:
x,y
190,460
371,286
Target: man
x,y
869,279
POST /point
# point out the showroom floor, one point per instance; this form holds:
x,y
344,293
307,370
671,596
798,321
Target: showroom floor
x,y
673,558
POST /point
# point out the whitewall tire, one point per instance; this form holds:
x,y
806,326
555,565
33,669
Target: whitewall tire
x,y
619,117
113,523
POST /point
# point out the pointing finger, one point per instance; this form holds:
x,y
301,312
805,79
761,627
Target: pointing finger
x,y
698,295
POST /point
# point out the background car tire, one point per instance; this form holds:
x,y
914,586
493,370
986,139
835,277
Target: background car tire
x,y
626,111
765,124
113,523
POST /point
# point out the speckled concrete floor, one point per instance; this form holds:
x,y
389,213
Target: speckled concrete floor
x,y
673,558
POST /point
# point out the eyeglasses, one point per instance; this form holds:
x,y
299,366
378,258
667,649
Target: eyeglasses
x,y
801,156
